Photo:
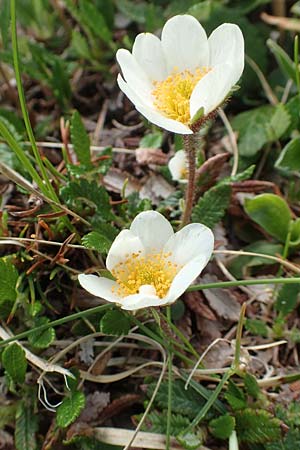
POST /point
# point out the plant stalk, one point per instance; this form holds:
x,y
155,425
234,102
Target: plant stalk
x,y
190,146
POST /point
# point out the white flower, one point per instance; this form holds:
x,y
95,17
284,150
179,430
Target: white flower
x,y
171,79
151,264
178,166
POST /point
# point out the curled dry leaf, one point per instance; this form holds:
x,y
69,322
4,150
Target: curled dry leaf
x,y
148,156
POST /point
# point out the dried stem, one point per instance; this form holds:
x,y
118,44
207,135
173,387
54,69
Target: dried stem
x,y
190,146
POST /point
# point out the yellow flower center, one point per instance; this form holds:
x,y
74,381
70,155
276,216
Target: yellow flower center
x,y
172,95
155,269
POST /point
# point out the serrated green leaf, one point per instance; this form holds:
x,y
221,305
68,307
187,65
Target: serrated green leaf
x,y
287,298
42,339
257,327
251,386
115,322
96,241
81,192
26,426
70,409
189,441
184,401
8,280
257,426
289,158
94,20
80,140
235,396
271,212
158,423
212,206
222,426
14,362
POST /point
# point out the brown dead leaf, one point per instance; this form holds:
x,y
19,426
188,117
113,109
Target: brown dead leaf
x,y
207,174
196,303
156,188
118,405
148,156
221,300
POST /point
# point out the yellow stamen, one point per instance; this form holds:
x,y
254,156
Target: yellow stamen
x,y
155,269
172,95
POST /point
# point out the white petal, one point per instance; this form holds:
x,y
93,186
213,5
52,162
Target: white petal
x,y
185,277
152,229
148,52
226,46
139,301
99,286
124,245
177,165
133,95
212,89
184,42
134,74
192,241
161,121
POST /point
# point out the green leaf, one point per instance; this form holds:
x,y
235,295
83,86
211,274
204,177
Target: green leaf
x,y
245,175
257,327
7,415
212,206
258,126
96,241
189,441
284,61
42,339
152,140
235,396
115,322
271,212
257,426
222,427
8,280
290,442
26,426
287,298
295,233
290,156
95,21
4,22
184,401
251,386
80,45
80,140
70,409
81,192
158,423
14,362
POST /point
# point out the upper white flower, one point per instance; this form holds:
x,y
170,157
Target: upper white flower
x,y
151,264
178,166
171,79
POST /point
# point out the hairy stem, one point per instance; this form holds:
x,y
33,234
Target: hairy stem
x,y
190,146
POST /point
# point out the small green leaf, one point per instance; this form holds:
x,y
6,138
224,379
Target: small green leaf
x,y
212,206
26,426
271,212
251,386
8,280
290,156
235,396
197,116
115,322
42,339
189,441
284,61
80,140
257,327
70,409
222,427
152,140
96,241
257,426
287,298
14,362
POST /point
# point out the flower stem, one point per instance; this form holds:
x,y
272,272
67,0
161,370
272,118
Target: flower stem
x,y
237,283
170,389
190,144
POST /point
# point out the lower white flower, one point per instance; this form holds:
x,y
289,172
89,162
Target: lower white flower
x,y
151,264
178,166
